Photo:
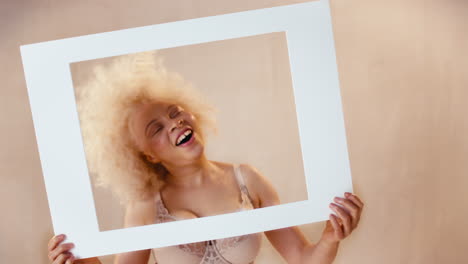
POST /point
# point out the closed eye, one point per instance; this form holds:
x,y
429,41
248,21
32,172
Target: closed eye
x,y
155,128
174,111
174,114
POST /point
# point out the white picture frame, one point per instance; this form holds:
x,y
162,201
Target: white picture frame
x,y
314,74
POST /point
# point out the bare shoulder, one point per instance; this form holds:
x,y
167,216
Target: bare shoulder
x,y
252,175
260,188
140,212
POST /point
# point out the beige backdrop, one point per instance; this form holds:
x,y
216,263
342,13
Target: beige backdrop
x,y
403,79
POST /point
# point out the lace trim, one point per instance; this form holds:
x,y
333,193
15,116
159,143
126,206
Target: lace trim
x,y
163,214
213,255
223,245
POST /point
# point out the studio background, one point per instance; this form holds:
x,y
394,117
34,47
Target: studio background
x,y
402,67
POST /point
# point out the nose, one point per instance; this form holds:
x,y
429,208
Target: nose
x,y
177,124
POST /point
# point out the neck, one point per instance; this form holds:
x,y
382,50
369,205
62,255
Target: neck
x,y
190,174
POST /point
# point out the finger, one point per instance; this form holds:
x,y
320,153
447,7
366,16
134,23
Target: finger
x,y
355,199
353,209
336,226
61,258
70,259
339,221
344,216
347,203
61,249
55,241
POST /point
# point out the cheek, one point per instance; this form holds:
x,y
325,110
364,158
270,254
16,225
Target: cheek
x,y
160,145
157,143
192,119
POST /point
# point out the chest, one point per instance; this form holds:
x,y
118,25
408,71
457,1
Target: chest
x,y
207,200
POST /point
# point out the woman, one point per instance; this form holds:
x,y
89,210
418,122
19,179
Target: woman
x,y
143,129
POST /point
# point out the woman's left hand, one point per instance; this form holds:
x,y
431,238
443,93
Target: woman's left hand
x,y
346,218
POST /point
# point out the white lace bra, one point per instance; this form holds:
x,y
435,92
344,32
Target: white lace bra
x,y
233,250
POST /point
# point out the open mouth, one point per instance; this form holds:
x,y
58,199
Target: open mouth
x,y
184,138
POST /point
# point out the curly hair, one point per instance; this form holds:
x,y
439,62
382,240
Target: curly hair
x,y
105,103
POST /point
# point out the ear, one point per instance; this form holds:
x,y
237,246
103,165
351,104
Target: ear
x,y
151,158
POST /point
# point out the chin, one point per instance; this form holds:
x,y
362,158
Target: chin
x,y
198,151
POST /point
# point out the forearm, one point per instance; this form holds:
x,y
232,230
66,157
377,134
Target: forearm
x,y
321,253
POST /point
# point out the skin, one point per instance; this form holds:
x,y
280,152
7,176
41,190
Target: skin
x,y
197,187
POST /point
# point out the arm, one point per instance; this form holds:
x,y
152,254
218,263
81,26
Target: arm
x,y
290,242
137,214
339,226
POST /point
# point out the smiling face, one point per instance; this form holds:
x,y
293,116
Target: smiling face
x,y
166,133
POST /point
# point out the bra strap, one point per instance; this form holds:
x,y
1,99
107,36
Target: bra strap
x,y
239,177
240,181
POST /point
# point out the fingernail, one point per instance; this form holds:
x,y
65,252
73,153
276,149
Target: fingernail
x,y
337,199
347,194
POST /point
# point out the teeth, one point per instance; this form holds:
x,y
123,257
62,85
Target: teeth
x,y
183,136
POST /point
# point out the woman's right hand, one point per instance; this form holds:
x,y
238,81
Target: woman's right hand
x,y
60,253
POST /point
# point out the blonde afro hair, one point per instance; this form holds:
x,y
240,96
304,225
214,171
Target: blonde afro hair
x,y
105,103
